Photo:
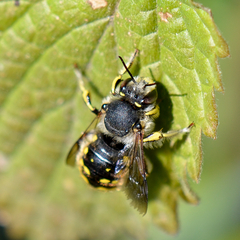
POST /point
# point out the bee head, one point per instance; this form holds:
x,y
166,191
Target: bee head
x,y
140,92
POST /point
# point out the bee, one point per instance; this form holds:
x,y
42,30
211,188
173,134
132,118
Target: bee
x,y
111,155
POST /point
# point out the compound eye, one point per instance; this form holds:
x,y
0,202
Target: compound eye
x,y
105,106
150,97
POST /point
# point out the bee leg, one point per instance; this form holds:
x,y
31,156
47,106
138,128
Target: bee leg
x,y
118,79
159,135
115,82
85,92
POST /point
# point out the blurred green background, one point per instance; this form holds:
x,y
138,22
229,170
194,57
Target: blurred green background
x,y
217,217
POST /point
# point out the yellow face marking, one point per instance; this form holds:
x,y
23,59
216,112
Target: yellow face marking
x,y
122,94
92,160
153,137
86,170
149,80
104,180
85,150
107,169
154,111
138,105
95,138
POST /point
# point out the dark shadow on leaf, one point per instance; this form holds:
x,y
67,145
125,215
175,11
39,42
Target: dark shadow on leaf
x,y
164,121
159,176
179,142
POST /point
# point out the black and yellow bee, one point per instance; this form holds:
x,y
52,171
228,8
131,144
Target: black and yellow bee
x,y
111,156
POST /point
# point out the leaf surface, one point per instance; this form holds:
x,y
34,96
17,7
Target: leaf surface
x,y
42,112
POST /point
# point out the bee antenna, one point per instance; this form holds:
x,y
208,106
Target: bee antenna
x,y
150,84
127,69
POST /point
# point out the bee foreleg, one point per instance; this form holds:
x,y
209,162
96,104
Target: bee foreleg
x,y
85,92
115,82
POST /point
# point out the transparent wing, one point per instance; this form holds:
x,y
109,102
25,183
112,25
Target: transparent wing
x,y
71,157
136,187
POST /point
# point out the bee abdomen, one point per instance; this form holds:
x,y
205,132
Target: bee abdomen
x,y
98,163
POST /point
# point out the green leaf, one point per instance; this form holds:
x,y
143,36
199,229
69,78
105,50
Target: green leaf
x,y
42,112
